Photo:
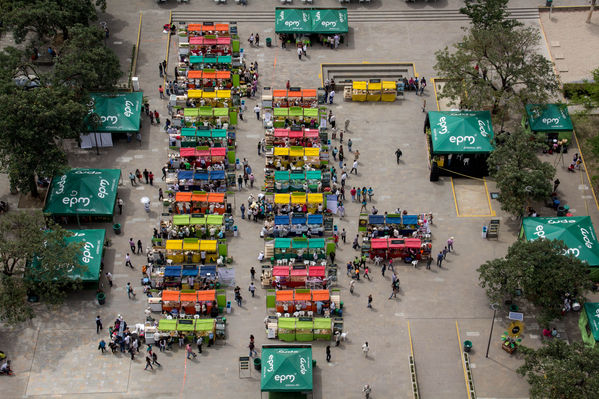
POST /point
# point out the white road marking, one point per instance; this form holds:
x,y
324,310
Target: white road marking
x,y
139,156
473,334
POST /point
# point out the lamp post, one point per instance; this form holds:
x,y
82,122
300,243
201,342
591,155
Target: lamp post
x,y
494,307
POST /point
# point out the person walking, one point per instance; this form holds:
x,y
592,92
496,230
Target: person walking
x,y
161,92
328,351
354,168
369,301
190,352
132,178
450,244
398,155
257,111
364,203
130,291
164,170
128,261
349,144
102,346
151,178
148,363
119,202
240,182
155,359
160,70
440,259
383,269
299,53
365,349
242,208
160,195
140,249
199,343
352,283
132,245
445,251
252,288
366,271
556,183
109,278
252,347
145,173
98,324
343,236
331,96
428,262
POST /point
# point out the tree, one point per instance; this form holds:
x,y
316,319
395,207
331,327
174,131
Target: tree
x,y
558,370
542,270
520,175
95,68
589,96
485,14
33,124
34,258
497,69
47,18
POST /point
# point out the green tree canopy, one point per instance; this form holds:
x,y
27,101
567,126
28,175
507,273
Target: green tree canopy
x,y
25,237
497,69
85,61
541,269
47,18
558,370
520,175
486,14
33,124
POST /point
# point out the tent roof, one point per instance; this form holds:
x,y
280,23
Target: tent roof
x,y
548,117
461,132
90,192
329,20
91,253
592,310
294,364
292,20
576,232
118,112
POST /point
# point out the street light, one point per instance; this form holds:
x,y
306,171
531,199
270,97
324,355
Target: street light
x,y
494,306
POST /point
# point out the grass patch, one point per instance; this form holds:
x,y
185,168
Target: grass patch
x,y
586,132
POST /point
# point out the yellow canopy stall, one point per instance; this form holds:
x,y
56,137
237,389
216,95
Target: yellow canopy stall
x,y
359,91
374,91
389,91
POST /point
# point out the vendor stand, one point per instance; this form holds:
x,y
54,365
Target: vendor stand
x,y
170,301
322,328
286,329
278,361
203,328
374,90
359,91
206,300
188,301
550,122
167,326
303,301
304,329
588,323
279,99
309,98
297,276
285,302
389,91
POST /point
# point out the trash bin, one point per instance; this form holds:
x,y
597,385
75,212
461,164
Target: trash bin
x,y
235,231
268,42
257,364
117,228
101,297
513,308
467,346
228,306
548,3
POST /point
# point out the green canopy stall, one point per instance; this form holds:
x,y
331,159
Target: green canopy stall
x,y
119,113
286,368
91,253
577,232
329,21
293,20
551,121
460,141
83,195
588,323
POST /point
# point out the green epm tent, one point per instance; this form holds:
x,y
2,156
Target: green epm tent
x,y
91,255
329,21
577,232
286,368
550,120
588,323
293,20
83,192
119,113
461,132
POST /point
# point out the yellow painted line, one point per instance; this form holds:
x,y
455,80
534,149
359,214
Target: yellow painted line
x,y
134,69
436,97
462,359
455,201
321,75
168,46
586,170
488,198
410,335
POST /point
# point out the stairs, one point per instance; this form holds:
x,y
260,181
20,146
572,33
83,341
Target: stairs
x,y
354,16
344,74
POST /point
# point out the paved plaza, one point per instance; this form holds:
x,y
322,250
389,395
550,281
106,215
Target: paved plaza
x,y
55,355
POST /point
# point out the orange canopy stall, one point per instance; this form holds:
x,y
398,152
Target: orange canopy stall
x,y
170,300
188,301
284,301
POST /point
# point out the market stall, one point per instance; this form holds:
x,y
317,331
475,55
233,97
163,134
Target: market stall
x,y
286,330
577,232
285,360
294,226
304,329
550,122
459,141
170,301
284,302
323,328
374,90
359,91
588,323
83,195
389,91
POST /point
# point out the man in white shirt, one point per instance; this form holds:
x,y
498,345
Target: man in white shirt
x,y
257,111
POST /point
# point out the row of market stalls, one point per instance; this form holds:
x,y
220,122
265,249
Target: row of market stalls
x,y
372,90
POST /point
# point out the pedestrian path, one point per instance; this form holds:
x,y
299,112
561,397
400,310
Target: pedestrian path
x,y
437,357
